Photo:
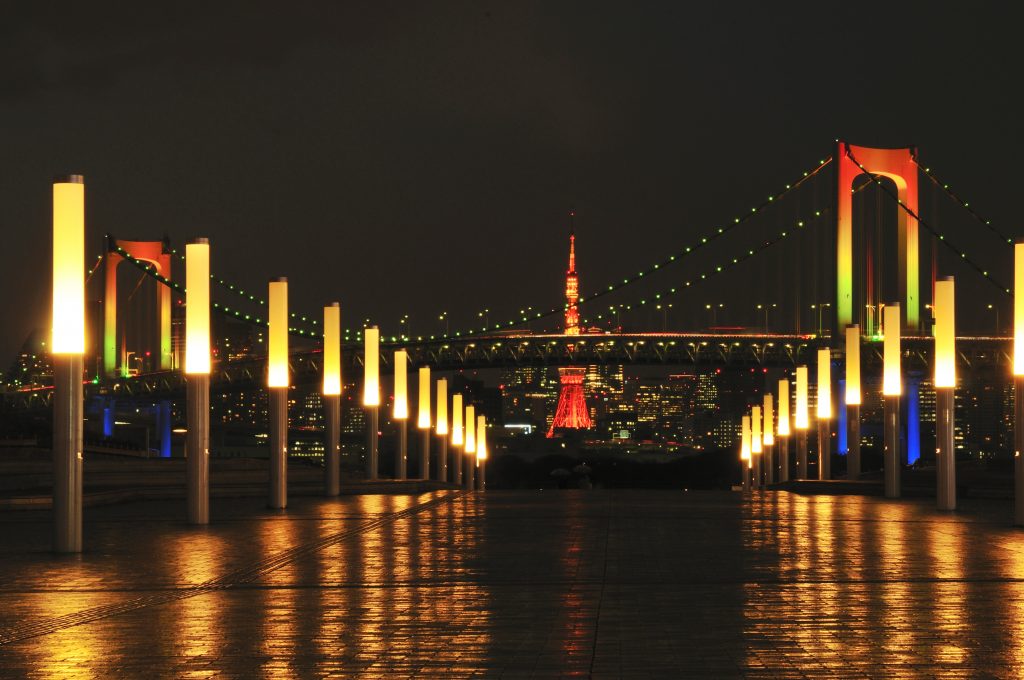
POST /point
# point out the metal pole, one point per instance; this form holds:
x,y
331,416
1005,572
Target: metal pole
x,y
457,466
891,414
1018,445
769,464
402,455
372,427
442,460
469,482
197,448
757,469
801,454
745,474
481,475
824,449
67,453
425,453
945,454
784,459
332,445
853,441
278,447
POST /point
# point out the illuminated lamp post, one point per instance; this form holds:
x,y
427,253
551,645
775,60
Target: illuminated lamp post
x,y
853,399
197,381
332,399
423,421
67,347
745,452
458,440
277,386
756,445
468,478
801,422
768,413
441,428
892,387
1018,383
371,396
783,430
945,388
481,453
400,412
824,413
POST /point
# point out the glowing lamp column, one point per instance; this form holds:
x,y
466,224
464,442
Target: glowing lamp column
x,y
371,396
853,401
945,388
824,413
1018,383
332,399
469,476
783,430
197,381
68,346
756,445
801,422
481,453
441,428
457,438
423,421
768,413
892,388
400,413
277,384
745,452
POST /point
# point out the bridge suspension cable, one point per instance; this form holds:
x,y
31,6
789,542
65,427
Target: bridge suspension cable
x,y
934,232
963,204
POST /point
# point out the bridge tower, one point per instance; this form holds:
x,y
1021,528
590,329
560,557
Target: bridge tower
x,y
572,410
158,254
898,165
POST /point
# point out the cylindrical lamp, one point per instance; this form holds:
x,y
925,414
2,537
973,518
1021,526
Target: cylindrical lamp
x,y
469,475
441,428
801,422
945,388
371,397
768,413
745,451
67,347
277,386
1018,382
400,412
824,413
853,399
481,452
197,381
457,438
892,388
784,430
756,445
423,421
332,399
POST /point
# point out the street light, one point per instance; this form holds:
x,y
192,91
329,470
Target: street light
x,y
458,441
1018,382
423,421
277,386
824,413
995,308
945,387
853,399
371,395
67,346
820,306
664,315
441,429
713,308
768,413
400,411
745,452
892,388
481,452
197,381
469,480
784,431
801,422
444,317
766,307
756,445
332,399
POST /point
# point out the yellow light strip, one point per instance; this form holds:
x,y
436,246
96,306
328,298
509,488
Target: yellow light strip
x,y
197,307
371,366
892,380
68,266
442,407
824,406
277,320
332,349
784,407
853,365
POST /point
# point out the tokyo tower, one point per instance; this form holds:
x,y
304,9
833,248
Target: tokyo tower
x,y
572,410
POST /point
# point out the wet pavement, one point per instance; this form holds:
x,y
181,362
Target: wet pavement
x,y
520,584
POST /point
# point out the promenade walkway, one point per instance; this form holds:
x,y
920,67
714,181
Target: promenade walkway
x,y
644,584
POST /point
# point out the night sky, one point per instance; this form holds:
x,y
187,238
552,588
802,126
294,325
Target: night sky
x,y
420,157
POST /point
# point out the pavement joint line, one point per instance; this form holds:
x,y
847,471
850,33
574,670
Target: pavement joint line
x,y
238,577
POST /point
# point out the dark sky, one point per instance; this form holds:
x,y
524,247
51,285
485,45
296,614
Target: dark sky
x,y
414,157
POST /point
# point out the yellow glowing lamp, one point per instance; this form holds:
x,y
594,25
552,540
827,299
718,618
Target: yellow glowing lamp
x,y
892,381
68,266
745,438
824,411
481,438
756,445
783,407
802,417
457,438
197,307
853,365
332,349
768,413
277,318
442,407
945,333
400,409
1018,309
470,430
371,366
423,414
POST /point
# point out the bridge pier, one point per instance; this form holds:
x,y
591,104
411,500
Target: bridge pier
x,y
332,445
197,448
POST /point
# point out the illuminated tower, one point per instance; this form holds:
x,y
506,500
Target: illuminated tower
x,y
572,412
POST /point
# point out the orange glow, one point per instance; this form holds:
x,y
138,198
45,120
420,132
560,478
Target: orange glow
x,y
400,408
824,384
371,366
442,407
892,379
945,333
745,438
332,349
277,316
1018,309
457,438
481,438
68,266
423,413
197,307
853,365
803,417
470,430
769,420
783,407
